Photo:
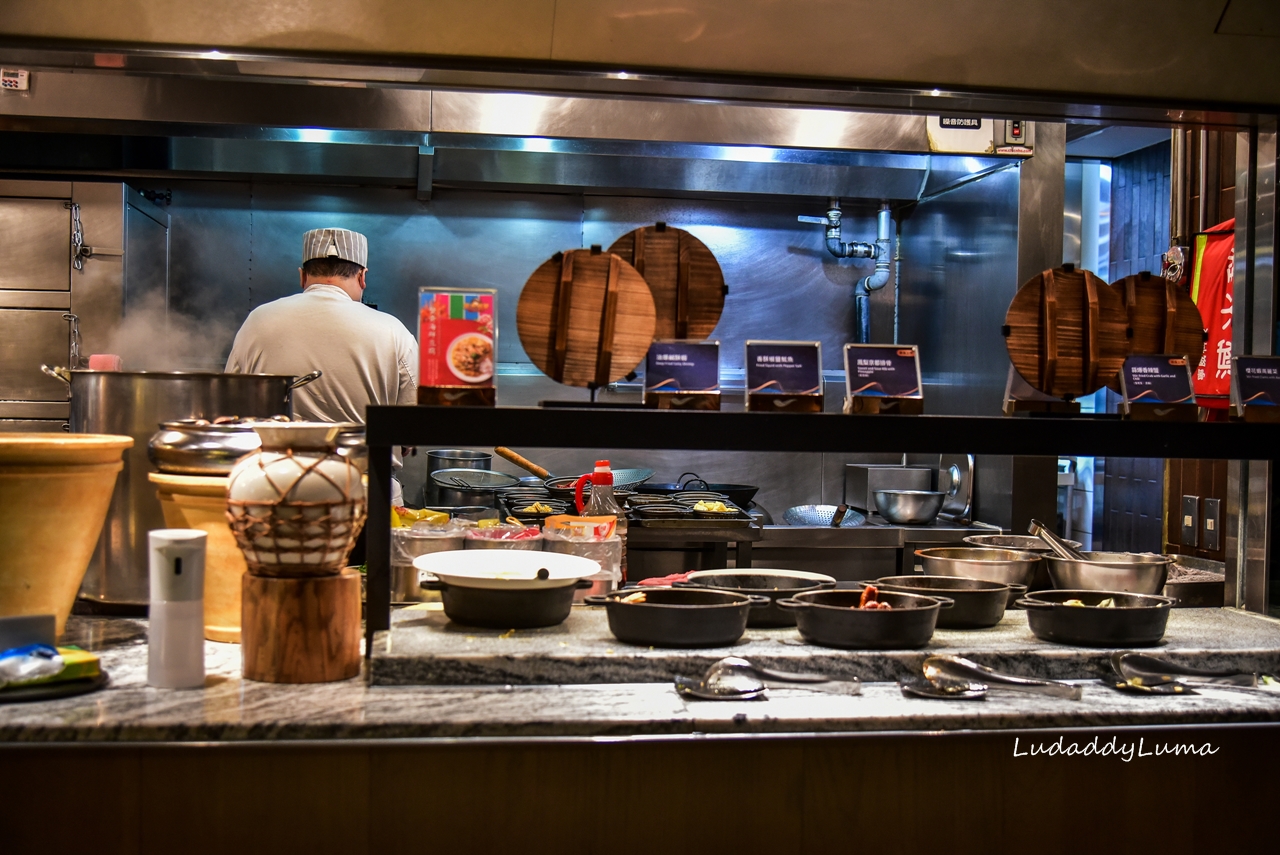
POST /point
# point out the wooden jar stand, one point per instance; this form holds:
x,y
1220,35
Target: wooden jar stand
x,y
301,630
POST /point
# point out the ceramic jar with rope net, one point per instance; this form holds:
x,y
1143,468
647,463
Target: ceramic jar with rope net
x,y
296,506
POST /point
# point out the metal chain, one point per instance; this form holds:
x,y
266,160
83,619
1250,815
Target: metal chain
x,y
77,236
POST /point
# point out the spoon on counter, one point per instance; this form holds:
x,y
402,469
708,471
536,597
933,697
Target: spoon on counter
x,y
943,689
1152,671
737,679
938,669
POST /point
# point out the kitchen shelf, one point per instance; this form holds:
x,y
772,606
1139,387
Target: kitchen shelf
x,y
806,432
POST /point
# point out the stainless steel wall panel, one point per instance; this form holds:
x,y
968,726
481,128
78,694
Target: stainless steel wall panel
x,y
364,164
35,300
959,272
38,410
1040,207
532,115
783,284
37,241
32,426
29,338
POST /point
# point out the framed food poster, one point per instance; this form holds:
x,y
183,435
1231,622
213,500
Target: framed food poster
x,y
457,346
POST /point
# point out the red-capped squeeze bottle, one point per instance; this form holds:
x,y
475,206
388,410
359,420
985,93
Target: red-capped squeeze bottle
x,y
602,503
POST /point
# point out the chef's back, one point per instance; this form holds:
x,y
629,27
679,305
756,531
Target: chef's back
x,y
367,357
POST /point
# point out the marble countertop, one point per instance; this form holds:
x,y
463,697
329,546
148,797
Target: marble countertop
x,y
230,708
424,647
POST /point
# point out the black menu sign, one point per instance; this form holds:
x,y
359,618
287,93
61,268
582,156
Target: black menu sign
x,y
1157,379
1257,380
882,371
682,366
784,368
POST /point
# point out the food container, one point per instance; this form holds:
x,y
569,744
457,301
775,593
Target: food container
x,y
1138,620
908,507
833,619
1008,566
505,589
1131,572
406,545
606,553
978,603
520,537
774,584
678,617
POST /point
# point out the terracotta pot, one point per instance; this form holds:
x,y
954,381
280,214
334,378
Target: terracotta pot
x,y
54,493
200,502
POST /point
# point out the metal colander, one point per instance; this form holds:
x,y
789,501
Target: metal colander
x,y
821,515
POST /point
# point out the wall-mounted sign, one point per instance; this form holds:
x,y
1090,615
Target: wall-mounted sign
x,y
457,346
882,371
683,375
1156,379
789,371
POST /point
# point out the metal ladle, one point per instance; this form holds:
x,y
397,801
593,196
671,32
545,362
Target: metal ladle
x,y
736,679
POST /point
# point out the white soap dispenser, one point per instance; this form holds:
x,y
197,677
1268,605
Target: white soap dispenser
x,y
175,643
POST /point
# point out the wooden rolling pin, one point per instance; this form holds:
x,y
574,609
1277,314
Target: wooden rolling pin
x,y
523,462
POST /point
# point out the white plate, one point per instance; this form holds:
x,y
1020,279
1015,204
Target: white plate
x,y
486,365
505,569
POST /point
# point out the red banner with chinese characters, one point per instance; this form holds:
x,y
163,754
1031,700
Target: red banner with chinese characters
x,y
1212,284
455,338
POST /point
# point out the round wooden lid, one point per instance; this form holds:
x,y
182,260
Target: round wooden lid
x,y
586,317
1066,332
1163,317
684,276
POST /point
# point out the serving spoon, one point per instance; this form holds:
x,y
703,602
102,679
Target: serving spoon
x,y
737,679
957,669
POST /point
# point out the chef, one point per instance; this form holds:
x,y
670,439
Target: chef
x,y
367,357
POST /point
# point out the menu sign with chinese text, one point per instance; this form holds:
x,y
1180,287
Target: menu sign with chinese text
x,y
784,368
682,366
882,371
1257,381
456,338
1156,379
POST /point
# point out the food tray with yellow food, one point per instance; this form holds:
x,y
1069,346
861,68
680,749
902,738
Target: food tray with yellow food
x,y
703,515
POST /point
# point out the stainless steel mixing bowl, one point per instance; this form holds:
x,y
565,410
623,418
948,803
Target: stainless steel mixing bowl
x,y
1131,572
908,507
1010,566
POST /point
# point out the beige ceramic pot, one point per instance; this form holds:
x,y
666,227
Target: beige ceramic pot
x,y
54,493
200,502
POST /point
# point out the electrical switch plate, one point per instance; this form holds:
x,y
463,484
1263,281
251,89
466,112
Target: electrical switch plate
x,y
1212,525
14,79
1190,520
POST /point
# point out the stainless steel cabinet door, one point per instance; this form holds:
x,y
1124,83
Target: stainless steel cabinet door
x,y
35,245
29,337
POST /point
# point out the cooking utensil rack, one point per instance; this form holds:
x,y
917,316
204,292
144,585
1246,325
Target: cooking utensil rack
x,y
707,430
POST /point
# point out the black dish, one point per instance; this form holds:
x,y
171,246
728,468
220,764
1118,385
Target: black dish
x,y
978,603
52,691
832,619
775,586
495,608
1138,620
678,617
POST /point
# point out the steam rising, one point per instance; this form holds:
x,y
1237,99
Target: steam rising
x,y
153,338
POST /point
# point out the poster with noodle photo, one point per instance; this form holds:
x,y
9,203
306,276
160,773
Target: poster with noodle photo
x,y
457,337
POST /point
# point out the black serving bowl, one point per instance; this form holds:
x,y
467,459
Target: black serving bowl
x,y
832,619
774,584
1138,620
678,617
978,603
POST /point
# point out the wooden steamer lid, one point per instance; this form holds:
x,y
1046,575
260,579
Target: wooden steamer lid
x,y
1066,332
585,317
1163,317
684,276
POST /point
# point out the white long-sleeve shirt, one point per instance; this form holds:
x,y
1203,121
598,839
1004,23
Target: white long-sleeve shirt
x,y
367,356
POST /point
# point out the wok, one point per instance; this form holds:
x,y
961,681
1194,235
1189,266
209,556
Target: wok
x,y
623,479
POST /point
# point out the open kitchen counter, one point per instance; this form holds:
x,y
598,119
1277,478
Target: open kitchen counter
x,y
231,709
424,647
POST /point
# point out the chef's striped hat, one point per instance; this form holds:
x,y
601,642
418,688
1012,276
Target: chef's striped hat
x,y
335,243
